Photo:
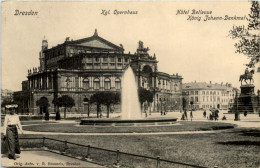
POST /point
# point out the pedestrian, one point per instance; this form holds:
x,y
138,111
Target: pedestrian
x,y
182,117
204,114
11,126
185,114
216,115
210,116
191,115
245,113
47,115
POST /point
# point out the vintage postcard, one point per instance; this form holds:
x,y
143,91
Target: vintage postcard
x,y
130,84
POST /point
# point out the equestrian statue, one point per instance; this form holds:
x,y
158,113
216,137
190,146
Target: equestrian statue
x,y
247,76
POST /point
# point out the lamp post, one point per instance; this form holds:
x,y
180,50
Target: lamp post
x,y
237,116
30,103
161,105
176,107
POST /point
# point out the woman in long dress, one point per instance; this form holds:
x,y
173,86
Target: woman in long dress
x,y
11,126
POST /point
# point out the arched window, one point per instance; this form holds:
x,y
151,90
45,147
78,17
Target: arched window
x,y
118,83
96,84
86,83
147,69
107,83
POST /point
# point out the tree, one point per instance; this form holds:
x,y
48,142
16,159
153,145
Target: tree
x,y
7,101
145,95
106,98
66,102
249,38
56,103
98,99
20,98
110,98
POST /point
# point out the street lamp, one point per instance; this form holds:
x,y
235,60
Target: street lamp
x,y
237,116
161,104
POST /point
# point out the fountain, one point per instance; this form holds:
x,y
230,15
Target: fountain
x,y
130,102
130,108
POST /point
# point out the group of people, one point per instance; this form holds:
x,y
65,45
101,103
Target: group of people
x,y
213,115
10,140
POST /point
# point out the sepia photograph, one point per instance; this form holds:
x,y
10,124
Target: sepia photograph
x,y
142,84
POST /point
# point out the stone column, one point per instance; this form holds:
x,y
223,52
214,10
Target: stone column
x,y
91,82
77,83
51,81
47,81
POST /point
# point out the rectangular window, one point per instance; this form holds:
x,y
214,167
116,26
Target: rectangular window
x,y
119,60
96,85
86,85
97,59
196,92
196,99
105,59
112,64
107,85
89,59
118,85
112,59
119,65
126,59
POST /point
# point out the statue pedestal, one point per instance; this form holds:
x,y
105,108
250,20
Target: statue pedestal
x,y
247,90
246,102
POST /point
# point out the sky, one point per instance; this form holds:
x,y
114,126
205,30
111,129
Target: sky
x,y
196,50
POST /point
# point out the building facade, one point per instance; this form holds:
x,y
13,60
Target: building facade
x,y
208,95
82,67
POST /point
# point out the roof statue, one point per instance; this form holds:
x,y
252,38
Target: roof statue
x,y
141,45
141,49
154,56
96,33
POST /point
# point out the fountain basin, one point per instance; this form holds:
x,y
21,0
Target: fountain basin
x,y
128,122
